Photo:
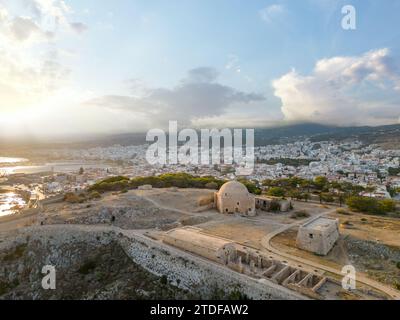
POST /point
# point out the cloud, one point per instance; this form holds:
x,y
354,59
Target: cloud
x,y
30,70
233,63
202,75
78,27
197,96
268,14
24,29
40,20
344,91
50,11
22,84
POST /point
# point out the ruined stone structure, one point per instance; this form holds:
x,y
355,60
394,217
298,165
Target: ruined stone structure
x,y
246,260
233,197
192,240
188,270
318,236
267,204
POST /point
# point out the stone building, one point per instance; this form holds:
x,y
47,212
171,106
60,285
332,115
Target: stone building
x,y
269,204
192,240
233,197
246,261
318,236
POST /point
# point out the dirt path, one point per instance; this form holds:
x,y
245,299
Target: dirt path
x,y
266,243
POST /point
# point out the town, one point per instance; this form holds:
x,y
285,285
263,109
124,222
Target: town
x,y
367,166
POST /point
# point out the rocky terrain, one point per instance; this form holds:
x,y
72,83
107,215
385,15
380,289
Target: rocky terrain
x,y
89,264
379,261
126,211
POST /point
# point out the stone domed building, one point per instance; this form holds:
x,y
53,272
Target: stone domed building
x,y
233,197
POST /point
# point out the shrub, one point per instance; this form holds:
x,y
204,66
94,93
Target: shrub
x,y
320,182
251,187
164,280
16,254
4,287
94,195
276,192
387,205
327,197
72,197
87,267
300,214
211,185
115,179
178,180
274,206
237,295
347,223
343,212
363,204
371,205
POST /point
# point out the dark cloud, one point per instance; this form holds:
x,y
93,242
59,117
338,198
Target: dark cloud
x,y
78,27
202,74
197,96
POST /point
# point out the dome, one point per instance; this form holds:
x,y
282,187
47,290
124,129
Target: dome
x,y
233,197
233,188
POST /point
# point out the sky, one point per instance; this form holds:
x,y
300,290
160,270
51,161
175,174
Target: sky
x,y
90,66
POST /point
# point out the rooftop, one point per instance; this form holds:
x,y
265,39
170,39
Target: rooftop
x,y
320,223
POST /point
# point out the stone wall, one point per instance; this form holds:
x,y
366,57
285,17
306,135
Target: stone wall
x,y
60,246
195,273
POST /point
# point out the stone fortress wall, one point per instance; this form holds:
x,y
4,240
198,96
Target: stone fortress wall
x,y
191,272
245,260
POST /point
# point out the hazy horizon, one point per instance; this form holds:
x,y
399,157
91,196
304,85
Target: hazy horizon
x,y
84,68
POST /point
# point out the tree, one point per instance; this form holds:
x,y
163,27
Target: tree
x,y
212,185
295,194
276,192
371,205
306,184
362,204
267,183
341,198
387,205
394,171
320,182
251,186
306,197
327,197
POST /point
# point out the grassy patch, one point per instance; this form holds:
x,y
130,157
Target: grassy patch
x,y
343,212
87,267
16,254
4,287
